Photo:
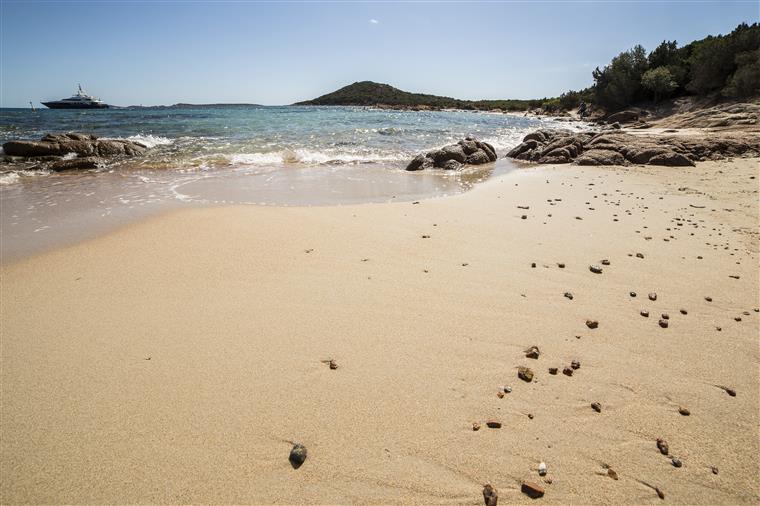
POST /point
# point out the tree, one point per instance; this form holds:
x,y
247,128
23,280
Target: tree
x,y
745,81
619,84
659,81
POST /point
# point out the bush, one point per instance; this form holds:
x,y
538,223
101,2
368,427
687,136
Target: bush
x,y
745,81
659,81
619,83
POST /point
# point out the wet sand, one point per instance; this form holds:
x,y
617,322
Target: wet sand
x,y
175,360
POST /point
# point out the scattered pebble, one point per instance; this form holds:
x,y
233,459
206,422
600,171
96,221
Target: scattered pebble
x,y
533,265
605,262
542,469
639,255
553,371
561,265
662,445
652,296
297,455
644,313
632,294
663,323
532,352
708,299
532,490
595,269
596,407
575,364
493,424
567,371
507,390
684,411
525,374
490,495
612,474
592,324
714,469
676,462
683,311
665,316
569,295
476,426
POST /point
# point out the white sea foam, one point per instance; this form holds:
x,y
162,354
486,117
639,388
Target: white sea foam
x,y
9,178
316,157
150,141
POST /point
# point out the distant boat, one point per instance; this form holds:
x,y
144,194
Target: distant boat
x,y
80,100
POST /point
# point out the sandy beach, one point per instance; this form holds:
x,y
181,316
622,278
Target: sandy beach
x,y
176,360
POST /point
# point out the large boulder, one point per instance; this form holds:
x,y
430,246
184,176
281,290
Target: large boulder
x,y
600,157
468,151
80,144
623,117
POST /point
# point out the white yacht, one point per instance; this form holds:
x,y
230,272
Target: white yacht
x,y
80,100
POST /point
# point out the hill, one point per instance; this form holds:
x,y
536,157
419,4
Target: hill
x,y
368,93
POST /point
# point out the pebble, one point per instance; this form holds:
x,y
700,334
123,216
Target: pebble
x,y
592,324
553,370
561,265
652,296
683,311
595,269
663,323
665,316
542,469
569,295
507,390
493,424
708,299
662,445
533,265
567,371
524,217
500,394
644,313
612,474
297,455
684,411
714,469
575,364
632,294
532,352
596,407
532,490
605,262
333,364
639,255
476,426
525,374
490,495
676,462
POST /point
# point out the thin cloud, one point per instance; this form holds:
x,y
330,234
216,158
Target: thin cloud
x,y
374,21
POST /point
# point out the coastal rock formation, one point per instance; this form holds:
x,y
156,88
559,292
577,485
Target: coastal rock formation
x,y
620,148
468,151
88,149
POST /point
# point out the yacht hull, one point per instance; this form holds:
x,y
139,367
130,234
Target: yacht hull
x,y
65,105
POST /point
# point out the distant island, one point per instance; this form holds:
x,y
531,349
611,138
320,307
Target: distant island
x,y
368,93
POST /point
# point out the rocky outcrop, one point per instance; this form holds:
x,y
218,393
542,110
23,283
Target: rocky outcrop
x,y
623,117
88,150
620,148
468,151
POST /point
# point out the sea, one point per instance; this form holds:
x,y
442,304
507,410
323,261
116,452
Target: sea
x,y
236,155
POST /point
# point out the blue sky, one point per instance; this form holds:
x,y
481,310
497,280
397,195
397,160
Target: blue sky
x,y
163,52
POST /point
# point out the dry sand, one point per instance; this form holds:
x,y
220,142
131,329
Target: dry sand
x,y
174,360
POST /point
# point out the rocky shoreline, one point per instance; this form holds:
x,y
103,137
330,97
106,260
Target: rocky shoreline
x,y
55,151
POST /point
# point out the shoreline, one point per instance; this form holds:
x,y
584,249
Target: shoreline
x,y
205,357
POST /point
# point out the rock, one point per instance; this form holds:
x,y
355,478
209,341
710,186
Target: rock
x,y
605,262
82,145
532,490
644,313
600,157
493,424
542,469
714,469
662,445
671,159
665,316
297,455
596,407
663,323
632,294
708,299
639,255
684,411
569,295
490,495
525,374
475,426
623,117
454,156
652,296
575,364
596,269
683,311
567,371
553,371
333,364
592,324
507,390
561,265
676,462
532,352
86,163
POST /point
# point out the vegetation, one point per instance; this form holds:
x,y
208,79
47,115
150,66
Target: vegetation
x,y
724,65
368,93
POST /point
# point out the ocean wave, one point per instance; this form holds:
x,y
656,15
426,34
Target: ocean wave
x,y
150,141
14,176
9,178
307,156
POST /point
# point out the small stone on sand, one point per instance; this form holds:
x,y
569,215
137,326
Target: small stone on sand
x,y
596,269
490,495
493,424
525,374
684,411
592,324
297,455
532,490
596,407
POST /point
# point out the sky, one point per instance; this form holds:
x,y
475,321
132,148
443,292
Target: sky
x,y
167,51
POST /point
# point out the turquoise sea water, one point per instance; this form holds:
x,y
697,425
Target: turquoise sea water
x,y
236,155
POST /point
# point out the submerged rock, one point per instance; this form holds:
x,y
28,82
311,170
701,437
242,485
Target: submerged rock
x,y
469,151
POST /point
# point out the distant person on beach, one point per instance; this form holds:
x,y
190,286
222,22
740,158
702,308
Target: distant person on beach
x,y
582,109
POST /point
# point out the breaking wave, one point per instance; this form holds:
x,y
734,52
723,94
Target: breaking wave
x,y
313,157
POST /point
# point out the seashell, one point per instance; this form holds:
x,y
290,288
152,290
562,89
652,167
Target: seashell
x,y
542,469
